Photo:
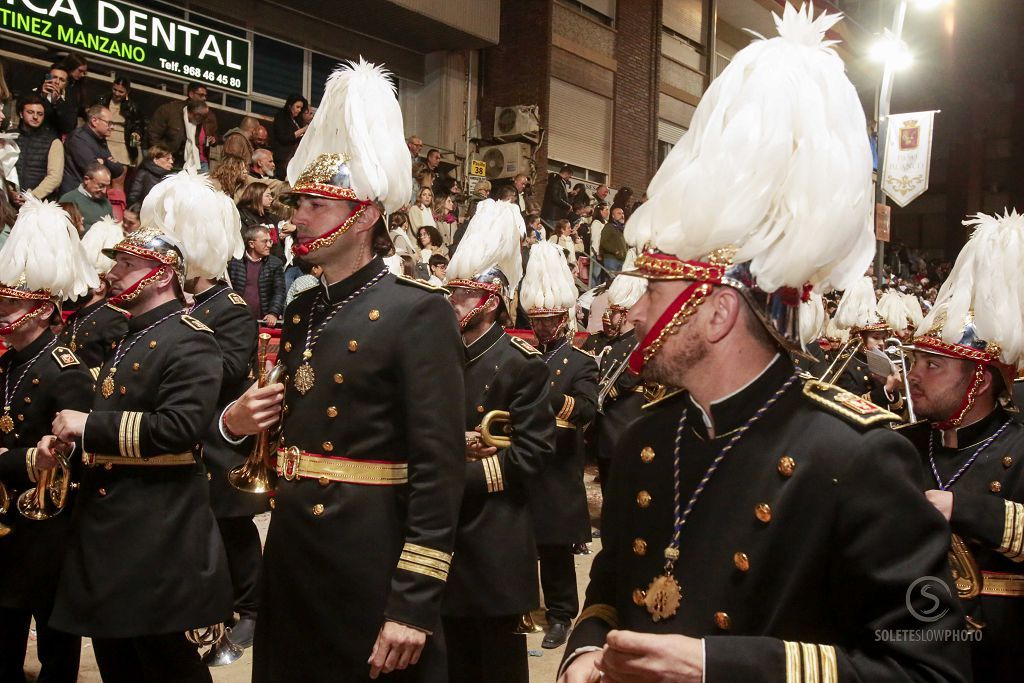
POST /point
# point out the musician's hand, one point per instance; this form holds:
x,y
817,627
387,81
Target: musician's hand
x,y
633,657
942,500
45,453
69,425
583,669
892,383
257,409
475,448
398,647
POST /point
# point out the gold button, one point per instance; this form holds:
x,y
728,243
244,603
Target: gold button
x,y
287,346
558,372
35,380
328,446
638,597
353,346
647,454
273,503
787,466
995,487
102,492
374,314
643,499
113,345
639,547
332,412
124,390
152,344
741,561
209,477
479,409
763,511
1007,461
28,399
323,481
287,409
338,378
296,319
318,509
108,466
723,621
206,311
136,366
21,418
565,361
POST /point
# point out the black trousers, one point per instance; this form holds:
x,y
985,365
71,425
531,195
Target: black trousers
x,y
558,581
58,652
245,556
486,650
167,658
604,468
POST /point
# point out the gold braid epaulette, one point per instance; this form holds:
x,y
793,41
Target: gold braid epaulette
x,y
605,613
852,408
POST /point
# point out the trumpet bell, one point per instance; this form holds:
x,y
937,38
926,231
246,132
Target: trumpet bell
x,y
223,652
48,498
5,505
496,429
251,477
255,474
527,625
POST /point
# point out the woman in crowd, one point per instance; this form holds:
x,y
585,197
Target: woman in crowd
x,y
231,176
445,218
401,237
127,127
155,167
254,206
422,212
286,132
565,236
429,240
601,213
74,91
481,192
535,230
75,215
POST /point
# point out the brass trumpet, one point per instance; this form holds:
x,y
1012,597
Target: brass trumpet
x,y
500,420
966,575
5,505
842,359
222,651
50,495
254,475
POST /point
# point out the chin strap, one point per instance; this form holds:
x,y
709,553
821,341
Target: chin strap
x,y
677,313
13,327
135,290
968,402
328,238
482,303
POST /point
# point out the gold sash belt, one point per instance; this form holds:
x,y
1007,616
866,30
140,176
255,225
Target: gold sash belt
x,y
108,461
1002,585
293,463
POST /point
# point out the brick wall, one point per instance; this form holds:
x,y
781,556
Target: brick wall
x,y
634,126
516,71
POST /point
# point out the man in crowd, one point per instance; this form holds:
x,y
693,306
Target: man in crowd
x,y
143,507
556,196
262,166
970,446
520,183
494,571
370,468
258,277
241,140
260,138
415,144
87,145
184,127
90,197
613,245
61,115
746,513
42,378
600,196
40,163
558,498
438,269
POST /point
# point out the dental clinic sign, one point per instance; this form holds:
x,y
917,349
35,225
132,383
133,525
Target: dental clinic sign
x,y
134,35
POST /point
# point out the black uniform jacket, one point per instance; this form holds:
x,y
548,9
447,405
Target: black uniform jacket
x,y
90,331
494,572
558,498
234,329
623,403
31,555
858,380
799,553
988,514
145,556
341,557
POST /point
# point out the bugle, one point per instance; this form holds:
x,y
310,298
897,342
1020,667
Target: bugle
x,y
50,494
894,347
500,421
5,505
222,651
608,381
842,359
255,474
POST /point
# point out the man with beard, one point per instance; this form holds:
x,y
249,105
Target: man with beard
x,y
494,573
746,531
965,357
558,498
370,464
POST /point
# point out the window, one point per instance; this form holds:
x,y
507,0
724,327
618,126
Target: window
x,y
322,66
579,174
276,67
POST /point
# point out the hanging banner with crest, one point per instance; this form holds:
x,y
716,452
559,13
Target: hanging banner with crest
x,y
908,156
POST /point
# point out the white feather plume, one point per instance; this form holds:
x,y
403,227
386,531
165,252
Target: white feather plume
x,y
104,234
858,307
359,117
776,163
985,283
833,331
913,307
548,282
893,310
204,220
625,290
812,318
43,252
491,240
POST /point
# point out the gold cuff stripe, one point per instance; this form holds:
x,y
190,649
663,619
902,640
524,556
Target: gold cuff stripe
x,y
419,569
605,613
427,552
793,671
567,407
1012,544
492,473
811,665
1008,514
128,434
155,460
829,666
30,464
426,562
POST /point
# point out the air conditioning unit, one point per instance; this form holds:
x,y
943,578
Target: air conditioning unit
x,y
517,120
506,161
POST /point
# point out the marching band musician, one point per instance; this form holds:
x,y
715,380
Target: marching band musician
x,y
494,571
38,377
206,221
145,562
965,357
558,498
370,466
747,530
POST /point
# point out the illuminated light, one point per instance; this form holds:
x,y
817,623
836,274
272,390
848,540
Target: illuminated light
x,y
892,52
